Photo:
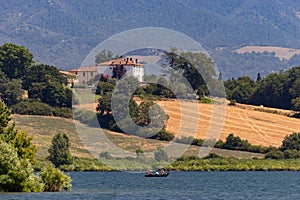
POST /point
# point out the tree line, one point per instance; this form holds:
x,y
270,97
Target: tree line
x,y
28,87
277,90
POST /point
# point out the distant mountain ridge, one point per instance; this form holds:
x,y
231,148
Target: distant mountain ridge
x,y
62,32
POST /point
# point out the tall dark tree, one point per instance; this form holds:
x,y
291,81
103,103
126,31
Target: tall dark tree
x,y
59,150
258,77
14,60
197,68
118,71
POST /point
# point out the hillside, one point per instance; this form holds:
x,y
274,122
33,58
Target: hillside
x,y
259,125
63,32
259,128
43,129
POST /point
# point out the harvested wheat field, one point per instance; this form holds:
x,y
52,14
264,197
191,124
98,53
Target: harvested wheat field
x,y
259,128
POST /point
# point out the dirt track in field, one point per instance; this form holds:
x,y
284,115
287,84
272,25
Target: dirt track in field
x,y
260,128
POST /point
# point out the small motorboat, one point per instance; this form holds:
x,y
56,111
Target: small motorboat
x,y
157,173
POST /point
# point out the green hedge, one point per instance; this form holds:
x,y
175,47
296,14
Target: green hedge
x,y
39,108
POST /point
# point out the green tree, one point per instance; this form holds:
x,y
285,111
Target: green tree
x,y
59,150
296,104
104,87
11,91
104,105
103,56
235,143
291,142
16,174
241,89
40,73
14,60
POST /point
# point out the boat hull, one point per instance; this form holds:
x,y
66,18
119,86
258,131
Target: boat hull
x,y
157,175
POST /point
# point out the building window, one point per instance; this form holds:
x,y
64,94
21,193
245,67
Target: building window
x,y
83,74
92,73
83,82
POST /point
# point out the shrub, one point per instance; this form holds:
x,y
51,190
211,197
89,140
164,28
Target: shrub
x,y
232,102
207,100
32,108
39,108
274,154
291,141
212,155
163,135
63,112
291,154
55,180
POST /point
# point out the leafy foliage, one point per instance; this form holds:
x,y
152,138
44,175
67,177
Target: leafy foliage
x,y
55,180
103,56
14,60
11,91
15,172
291,142
59,150
277,90
39,108
46,84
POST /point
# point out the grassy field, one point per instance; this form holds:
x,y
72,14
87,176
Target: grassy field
x,y
259,125
280,52
44,128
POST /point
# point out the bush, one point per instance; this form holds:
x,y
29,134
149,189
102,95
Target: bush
x,y
32,108
212,155
63,112
163,135
291,154
55,180
274,154
291,141
39,108
207,100
232,102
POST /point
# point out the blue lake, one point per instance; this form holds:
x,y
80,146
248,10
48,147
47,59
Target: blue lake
x,y
179,185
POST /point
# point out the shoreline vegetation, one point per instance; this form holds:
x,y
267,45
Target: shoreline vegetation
x,y
188,163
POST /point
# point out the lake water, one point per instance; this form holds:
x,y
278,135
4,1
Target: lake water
x,y
178,185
